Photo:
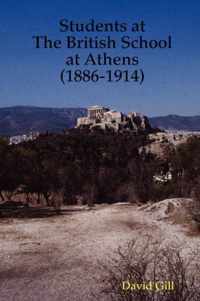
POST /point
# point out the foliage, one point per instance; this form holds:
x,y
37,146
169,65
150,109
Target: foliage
x,y
141,262
96,166
80,162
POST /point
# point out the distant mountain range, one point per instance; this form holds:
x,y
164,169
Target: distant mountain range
x,y
176,122
23,119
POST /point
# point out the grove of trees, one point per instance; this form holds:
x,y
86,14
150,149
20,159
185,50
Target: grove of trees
x,y
96,166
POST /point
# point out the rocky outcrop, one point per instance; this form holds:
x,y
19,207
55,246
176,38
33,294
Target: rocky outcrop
x,y
104,118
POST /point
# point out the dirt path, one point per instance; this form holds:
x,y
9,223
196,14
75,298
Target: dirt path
x,y
57,258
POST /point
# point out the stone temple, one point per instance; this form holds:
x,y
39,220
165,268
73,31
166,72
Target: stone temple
x,y
104,118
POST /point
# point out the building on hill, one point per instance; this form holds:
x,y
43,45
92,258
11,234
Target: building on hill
x,y
23,138
97,112
104,118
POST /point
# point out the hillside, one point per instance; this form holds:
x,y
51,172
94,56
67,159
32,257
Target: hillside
x,y
175,122
23,119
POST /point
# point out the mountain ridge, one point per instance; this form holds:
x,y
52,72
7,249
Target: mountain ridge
x,y
17,120
176,122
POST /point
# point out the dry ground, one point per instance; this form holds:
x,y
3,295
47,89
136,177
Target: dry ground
x,y
57,258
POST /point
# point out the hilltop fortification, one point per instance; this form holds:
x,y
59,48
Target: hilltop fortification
x,y
104,118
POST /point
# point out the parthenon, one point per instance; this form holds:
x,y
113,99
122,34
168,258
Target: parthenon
x,y
104,118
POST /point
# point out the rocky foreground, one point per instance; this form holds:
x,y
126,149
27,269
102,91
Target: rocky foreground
x,y
60,257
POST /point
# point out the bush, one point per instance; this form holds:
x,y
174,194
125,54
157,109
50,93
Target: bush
x,y
141,263
196,207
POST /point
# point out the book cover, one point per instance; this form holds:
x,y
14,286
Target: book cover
x,y
99,150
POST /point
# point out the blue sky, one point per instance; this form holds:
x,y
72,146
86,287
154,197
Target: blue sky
x,y
30,76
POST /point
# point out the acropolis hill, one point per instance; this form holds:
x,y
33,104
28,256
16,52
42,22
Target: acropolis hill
x,y
104,118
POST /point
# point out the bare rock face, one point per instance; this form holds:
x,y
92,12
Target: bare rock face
x,y
104,118
139,121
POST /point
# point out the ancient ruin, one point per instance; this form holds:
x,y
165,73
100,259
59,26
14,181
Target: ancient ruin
x,y
104,118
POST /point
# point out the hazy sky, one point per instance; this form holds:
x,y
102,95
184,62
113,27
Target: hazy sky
x,y
30,76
